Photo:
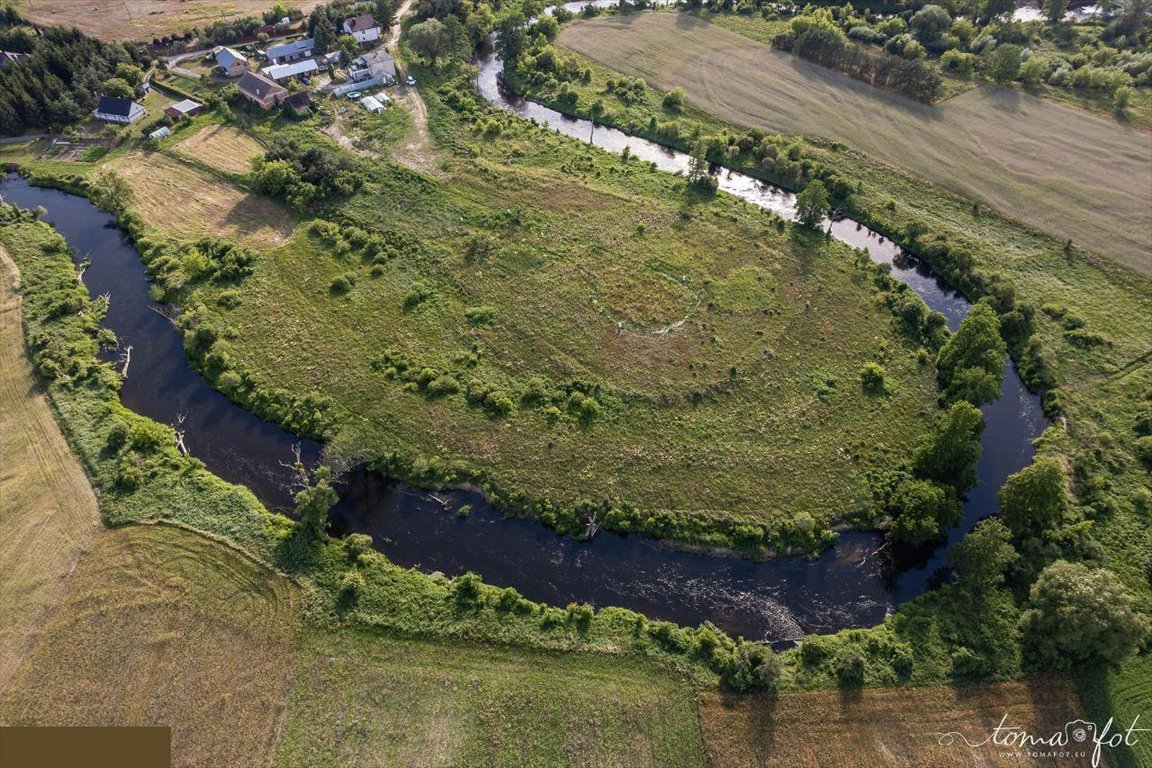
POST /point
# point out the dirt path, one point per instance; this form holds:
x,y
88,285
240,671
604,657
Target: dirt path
x,y
418,152
48,514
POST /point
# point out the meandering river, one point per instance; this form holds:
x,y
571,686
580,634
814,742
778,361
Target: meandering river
x,y
854,583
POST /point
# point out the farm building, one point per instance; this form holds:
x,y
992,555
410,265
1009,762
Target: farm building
x,y
371,104
231,63
279,72
300,103
378,64
144,88
186,108
286,52
364,28
113,109
160,133
259,89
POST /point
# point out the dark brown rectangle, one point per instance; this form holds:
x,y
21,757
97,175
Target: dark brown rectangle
x,y
85,747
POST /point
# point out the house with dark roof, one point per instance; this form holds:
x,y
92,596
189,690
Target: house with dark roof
x,y
364,28
231,63
113,109
286,52
300,103
259,89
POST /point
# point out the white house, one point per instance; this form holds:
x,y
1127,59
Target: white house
x,y
364,28
286,52
378,64
113,109
231,63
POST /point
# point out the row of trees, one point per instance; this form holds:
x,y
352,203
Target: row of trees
x,y
60,78
829,48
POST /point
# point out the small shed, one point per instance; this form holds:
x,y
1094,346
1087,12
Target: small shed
x,y
371,104
160,133
185,108
300,103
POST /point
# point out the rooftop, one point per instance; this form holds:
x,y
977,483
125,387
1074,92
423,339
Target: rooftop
x,y
259,86
114,105
291,49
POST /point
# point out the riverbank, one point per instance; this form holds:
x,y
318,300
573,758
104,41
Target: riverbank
x,y
1089,327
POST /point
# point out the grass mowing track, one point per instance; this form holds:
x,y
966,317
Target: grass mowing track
x,y
48,513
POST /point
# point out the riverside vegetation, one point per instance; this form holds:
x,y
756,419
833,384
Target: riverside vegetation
x,y
1083,505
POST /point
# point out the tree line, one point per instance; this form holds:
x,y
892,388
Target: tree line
x,y
828,48
60,78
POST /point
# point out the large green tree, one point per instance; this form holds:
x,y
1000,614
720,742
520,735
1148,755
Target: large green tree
x,y
950,451
1035,498
984,556
922,510
976,344
930,23
1080,614
429,39
313,503
812,204
1002,63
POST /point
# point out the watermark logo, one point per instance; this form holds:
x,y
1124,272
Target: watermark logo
x,y
1079,739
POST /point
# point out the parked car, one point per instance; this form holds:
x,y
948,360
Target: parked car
x,y
411,80
304,79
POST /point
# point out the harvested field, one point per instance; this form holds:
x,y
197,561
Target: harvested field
x,y
164,627
187,202
223,147
142,19
48,513
1054,167
364,699
885,726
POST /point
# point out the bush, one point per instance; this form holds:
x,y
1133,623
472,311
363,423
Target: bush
x,y
674,100
343,283
850,668
352,585
357,544
467,589
872,378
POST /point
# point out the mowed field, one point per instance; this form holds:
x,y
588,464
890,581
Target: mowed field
x,y
188,202
1059,169
142,19
362,699
881,727
160,626
223,147
48,512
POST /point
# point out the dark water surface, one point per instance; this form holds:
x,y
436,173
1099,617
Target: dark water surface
x,y
235,444
849,585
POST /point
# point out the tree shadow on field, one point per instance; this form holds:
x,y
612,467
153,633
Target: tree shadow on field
x,y
1094,687
758,711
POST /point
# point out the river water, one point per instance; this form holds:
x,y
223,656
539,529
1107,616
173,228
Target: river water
x,y
852,584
